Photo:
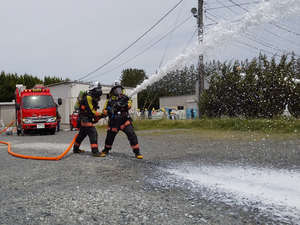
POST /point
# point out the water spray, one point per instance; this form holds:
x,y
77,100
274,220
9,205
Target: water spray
x,y
264,12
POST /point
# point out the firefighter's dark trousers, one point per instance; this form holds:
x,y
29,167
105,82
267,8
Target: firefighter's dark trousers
x,y
127,128
93,135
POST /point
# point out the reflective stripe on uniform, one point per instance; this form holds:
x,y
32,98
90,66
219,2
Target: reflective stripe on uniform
x,y
89,124
94,145
135,146
124,125
113,129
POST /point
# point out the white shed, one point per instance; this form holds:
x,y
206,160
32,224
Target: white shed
x,y
183,104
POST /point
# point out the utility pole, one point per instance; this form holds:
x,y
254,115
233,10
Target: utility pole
x,y
200,85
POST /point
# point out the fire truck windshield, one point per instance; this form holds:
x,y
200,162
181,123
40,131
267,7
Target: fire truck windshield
x,y
38,102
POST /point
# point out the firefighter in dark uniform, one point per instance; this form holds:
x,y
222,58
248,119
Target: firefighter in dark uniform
x,y
119,119
88,116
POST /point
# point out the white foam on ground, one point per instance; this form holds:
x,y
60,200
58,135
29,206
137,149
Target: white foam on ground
x,y
42,146
275,191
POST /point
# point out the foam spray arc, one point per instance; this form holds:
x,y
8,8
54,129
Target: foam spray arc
x,y
264,12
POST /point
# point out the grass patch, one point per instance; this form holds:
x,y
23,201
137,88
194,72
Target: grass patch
x,y
279,125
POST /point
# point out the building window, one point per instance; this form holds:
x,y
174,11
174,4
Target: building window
x,y
180,107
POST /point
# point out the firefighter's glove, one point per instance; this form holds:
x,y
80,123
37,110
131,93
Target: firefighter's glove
x,y
110,110
96,120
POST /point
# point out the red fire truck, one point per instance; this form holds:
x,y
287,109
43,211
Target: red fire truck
x,y
36,110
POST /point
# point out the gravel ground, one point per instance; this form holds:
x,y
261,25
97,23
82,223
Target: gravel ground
x,y
120,189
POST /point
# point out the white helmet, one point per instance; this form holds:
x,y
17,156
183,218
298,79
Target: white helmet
x,y
95,89
93,85
117,89
115,83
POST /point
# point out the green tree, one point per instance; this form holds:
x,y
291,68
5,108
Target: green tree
x,y
261,88
224,96
29,81
272,86
7,86
294,99
249,97
52,80
132,77
9,81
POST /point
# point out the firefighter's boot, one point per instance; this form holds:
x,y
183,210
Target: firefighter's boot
x,y
137,153
77,150
105,151
98,154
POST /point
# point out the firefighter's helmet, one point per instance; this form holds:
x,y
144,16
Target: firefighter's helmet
x,y
117,89
95,89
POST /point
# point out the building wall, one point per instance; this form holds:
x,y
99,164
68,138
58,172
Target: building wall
x,y
177,101
7,112
185,101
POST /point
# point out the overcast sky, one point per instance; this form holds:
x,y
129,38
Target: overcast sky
x,y
72,38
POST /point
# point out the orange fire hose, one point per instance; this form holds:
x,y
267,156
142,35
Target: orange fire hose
x,y
37,157
40,157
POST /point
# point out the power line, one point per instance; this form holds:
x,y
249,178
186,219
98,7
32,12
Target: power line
x,y
281,37
128,60
293,26
144,49
229,6
190,40
276,25
261,42
132,43
266,44
169,40
257,39
251,46
283,28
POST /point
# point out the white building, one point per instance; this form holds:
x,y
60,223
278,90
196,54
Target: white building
x,y
182,103
7,113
